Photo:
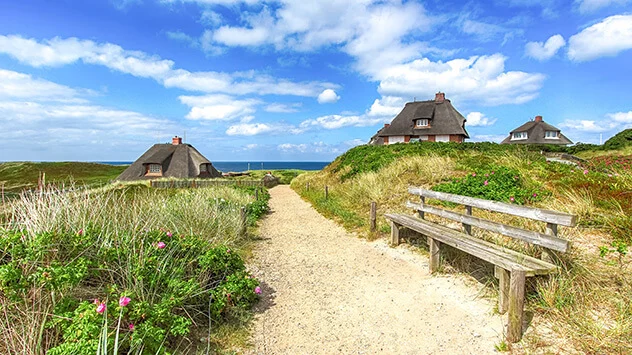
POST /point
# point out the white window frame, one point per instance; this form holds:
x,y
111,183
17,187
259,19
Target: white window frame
x,y
422,122
154,169
519,136
551,135
396,139
442,138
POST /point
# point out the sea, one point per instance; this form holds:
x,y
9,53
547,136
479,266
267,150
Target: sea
x,y
226,166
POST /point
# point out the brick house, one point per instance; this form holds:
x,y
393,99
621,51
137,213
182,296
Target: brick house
x,y
433,120
176,160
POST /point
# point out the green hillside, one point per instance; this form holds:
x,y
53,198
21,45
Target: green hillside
x,y
18,176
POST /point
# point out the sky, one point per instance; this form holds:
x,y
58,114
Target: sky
x,y
296,80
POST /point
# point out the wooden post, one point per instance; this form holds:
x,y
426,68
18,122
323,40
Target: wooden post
x,y
257,194
434,246
326,192
467,227
373,216
394,234
307,186
547,254
244,222
503,289
3,193
516,305
421,213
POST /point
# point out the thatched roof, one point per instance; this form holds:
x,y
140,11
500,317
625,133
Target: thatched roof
x,y
176,160
443,118
536,134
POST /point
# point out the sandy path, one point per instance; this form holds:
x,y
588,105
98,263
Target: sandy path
x,y
326,291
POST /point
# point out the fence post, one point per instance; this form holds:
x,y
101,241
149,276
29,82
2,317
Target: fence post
x,y
326,192
242,231
307,187
256,194
467,227
373,216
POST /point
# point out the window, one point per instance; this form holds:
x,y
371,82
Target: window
x,y
551,134
519,135
422,122
155,168
203,168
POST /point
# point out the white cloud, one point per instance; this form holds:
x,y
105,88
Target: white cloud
x,y
588,125
315,147
339,121
249,129
496,138
621,117
543,51
480,78
218,107
387,107
328,96
355,142
282,108
478,119
16,85
287,147
588,6
606,38
236,36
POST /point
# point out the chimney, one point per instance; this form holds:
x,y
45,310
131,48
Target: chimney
x,y
439,97
538,118
386,125
176,140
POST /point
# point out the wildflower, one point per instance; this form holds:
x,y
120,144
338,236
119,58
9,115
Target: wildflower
x,y
161,245
96,301
101,307
492,173
169,234
609,175
535,195
486,183
227,250
585,172
258,290
80,232
473,174
511,199
124,301
131,327
486,175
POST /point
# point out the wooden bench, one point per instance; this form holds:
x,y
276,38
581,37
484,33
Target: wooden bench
x,y
511,267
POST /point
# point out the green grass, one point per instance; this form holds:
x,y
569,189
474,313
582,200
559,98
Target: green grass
x,y
285,176
18,176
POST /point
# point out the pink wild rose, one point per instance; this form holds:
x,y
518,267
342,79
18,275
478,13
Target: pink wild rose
x,y
101,307
258,290
535,195
585,172
486,183
131,327
80,232
473,174
161,245
124,301
96,301
169,234
511,199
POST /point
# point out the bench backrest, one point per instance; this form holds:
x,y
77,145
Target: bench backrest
x,y
552,218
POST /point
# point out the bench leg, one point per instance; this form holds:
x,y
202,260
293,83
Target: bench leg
x,y
503,289
394,234
516,305
434,254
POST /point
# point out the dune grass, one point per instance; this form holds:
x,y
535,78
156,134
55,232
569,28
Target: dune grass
x,y
587,305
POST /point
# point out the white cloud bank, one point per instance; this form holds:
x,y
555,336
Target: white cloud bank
x,y
606,38
588,6
478,119
543,51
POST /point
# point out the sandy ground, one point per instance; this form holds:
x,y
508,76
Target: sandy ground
x,y
326,291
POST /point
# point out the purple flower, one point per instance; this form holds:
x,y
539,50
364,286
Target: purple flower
x,y
169,234
131,327
101,307
161,245
486,183
124,301
258,290
535,195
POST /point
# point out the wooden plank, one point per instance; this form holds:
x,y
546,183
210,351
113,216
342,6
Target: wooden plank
x,y
532,237
423,202
373,217
433,246
490,252
394,233
516,305
503,289
538,214
467,227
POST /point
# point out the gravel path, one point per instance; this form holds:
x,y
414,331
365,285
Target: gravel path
x,y
326,291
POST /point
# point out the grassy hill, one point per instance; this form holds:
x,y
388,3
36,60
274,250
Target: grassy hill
x,y
18,176
588,302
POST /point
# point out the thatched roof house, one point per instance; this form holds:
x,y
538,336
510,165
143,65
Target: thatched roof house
x,y
175,160
433,120
536,132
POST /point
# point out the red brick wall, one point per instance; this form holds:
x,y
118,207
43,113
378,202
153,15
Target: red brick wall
x,y
406,139
431,138
385,140
456,138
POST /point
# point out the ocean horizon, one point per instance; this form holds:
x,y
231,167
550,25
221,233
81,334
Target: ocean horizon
x,y
226,166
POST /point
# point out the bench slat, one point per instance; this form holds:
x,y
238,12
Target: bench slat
x,y
538,214
503,257
532,237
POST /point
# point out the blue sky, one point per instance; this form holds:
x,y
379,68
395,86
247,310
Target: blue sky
x,y
299,80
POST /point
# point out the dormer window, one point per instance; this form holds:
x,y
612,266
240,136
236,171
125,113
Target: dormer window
x,y
552,135
154,170
519,135
423,122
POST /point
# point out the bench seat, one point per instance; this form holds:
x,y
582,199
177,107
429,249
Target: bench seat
x,y
503,257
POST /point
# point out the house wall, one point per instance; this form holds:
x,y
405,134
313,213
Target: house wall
x,y
456,138
442,138
396,139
